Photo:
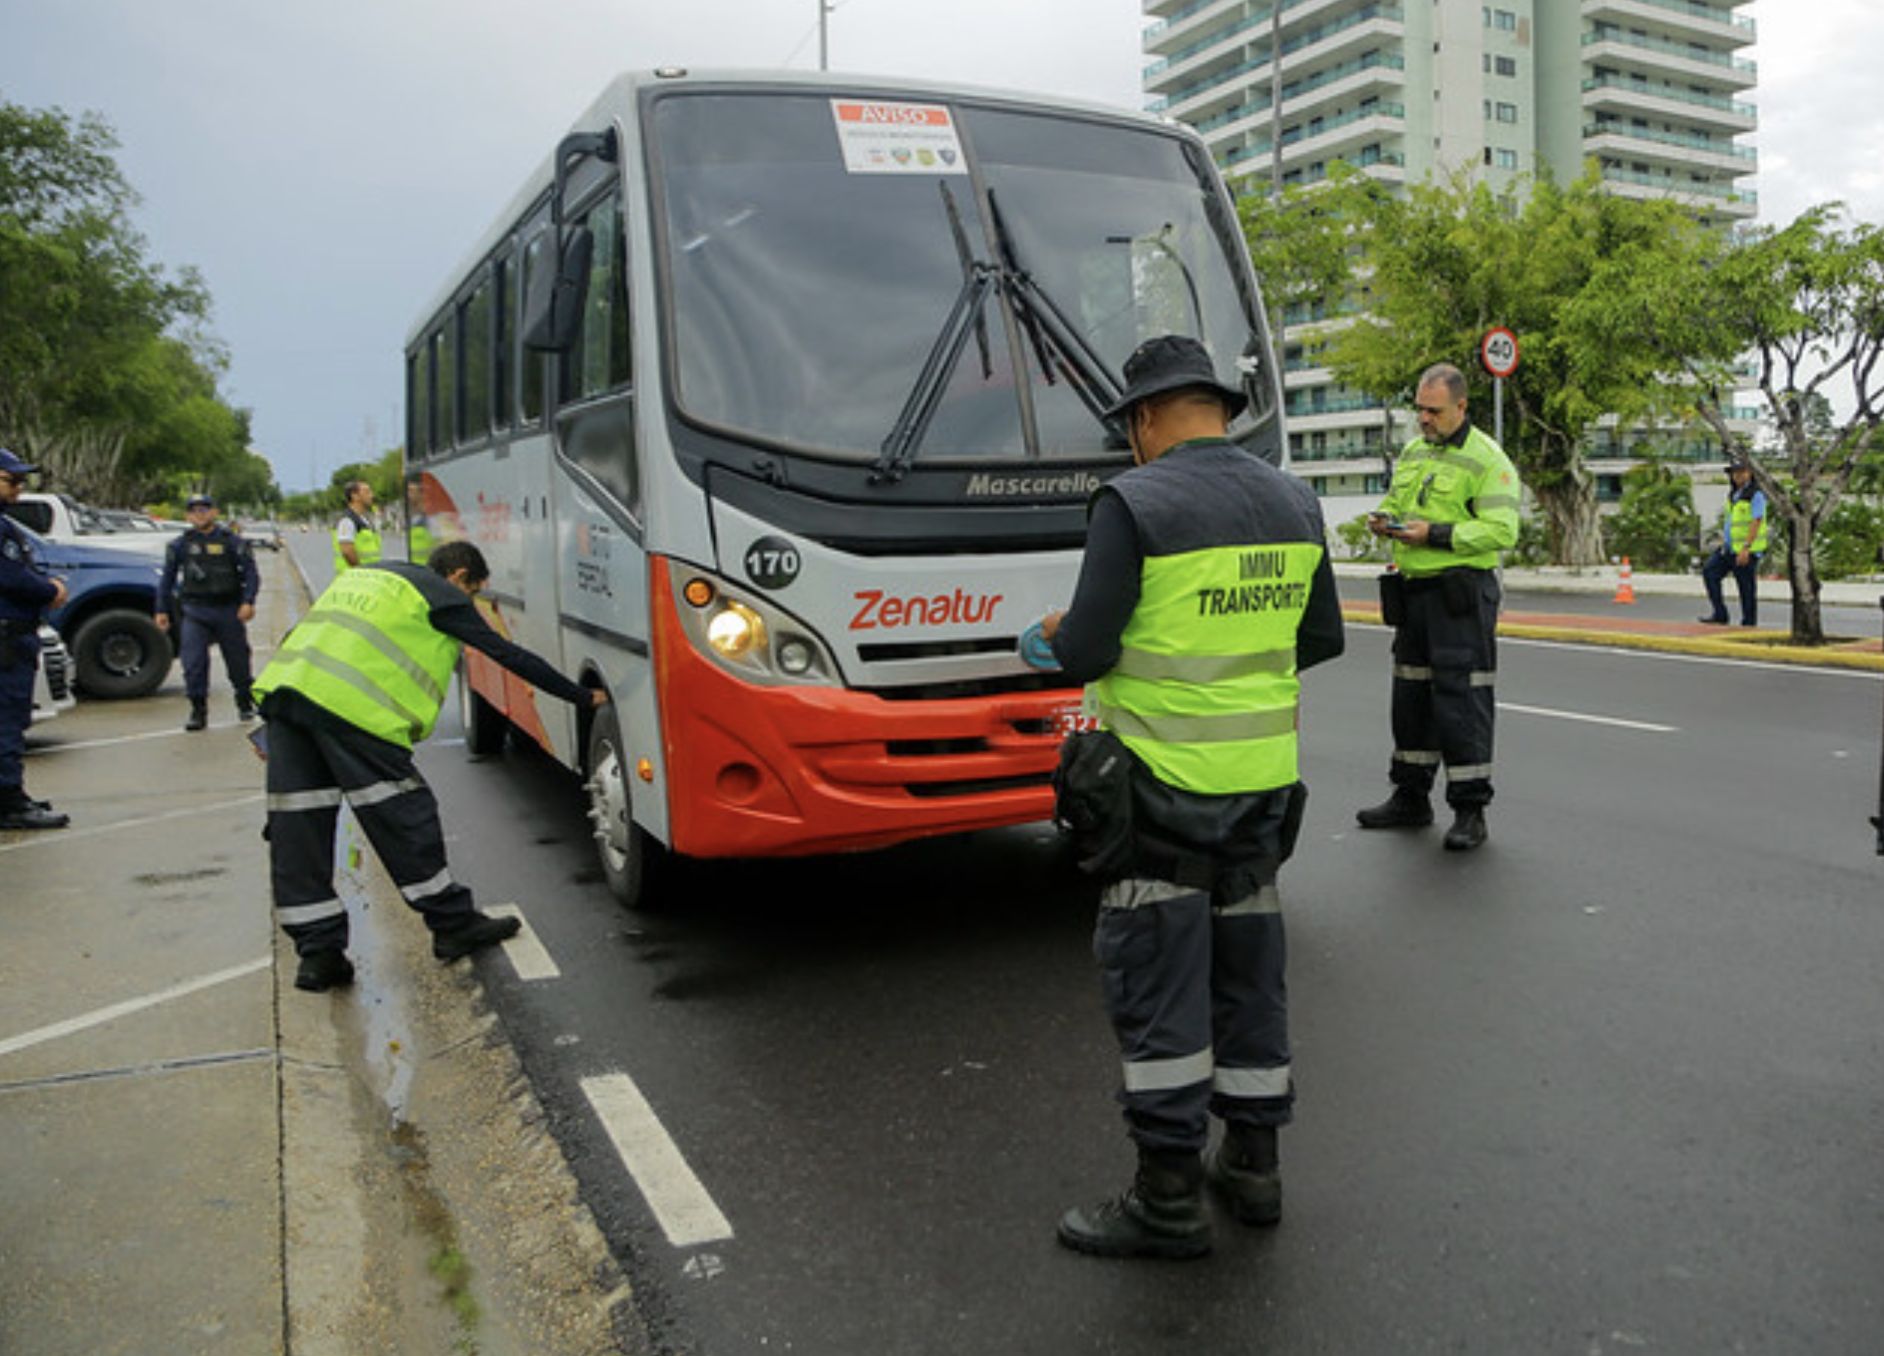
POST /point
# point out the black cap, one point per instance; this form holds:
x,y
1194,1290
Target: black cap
x,y
1173,362
15,465
1739,464
200,501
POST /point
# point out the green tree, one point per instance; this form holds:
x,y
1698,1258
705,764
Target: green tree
x,y
95,339
1807,299
1450,260
1655,525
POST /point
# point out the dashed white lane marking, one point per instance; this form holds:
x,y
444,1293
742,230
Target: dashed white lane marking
x,y
1589,719
56,837
525,952
686,1212
27,1039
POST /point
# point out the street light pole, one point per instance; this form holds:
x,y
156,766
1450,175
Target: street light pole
x,y
824,35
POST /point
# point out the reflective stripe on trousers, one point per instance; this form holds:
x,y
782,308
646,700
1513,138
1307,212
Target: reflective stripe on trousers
x,y
1197,999
1444,706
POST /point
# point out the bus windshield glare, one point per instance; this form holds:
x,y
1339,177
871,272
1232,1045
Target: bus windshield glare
x,y
814,298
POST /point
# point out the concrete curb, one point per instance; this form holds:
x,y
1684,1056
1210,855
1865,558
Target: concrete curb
x,y
1751,648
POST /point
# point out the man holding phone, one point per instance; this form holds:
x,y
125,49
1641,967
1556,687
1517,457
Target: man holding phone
x,y
1452,508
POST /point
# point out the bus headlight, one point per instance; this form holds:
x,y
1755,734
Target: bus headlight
x,y
747,633
735,630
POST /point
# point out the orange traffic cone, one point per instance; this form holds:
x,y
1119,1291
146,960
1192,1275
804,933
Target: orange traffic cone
x,y
1625,590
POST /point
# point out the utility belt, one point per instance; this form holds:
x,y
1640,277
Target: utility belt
x,y
1458,587
211,599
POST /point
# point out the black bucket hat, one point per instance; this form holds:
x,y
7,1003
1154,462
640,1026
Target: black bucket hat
x,y
1173,362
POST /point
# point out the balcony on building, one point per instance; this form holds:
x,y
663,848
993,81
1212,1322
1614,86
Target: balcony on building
x,y
1660,149
1716,24
1610,94
1714,198
1656,58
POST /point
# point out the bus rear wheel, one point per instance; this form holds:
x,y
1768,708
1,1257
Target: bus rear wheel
x,y
621,846
484,724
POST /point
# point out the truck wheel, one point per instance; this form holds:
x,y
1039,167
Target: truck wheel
x,y
119,654
484,725
621,846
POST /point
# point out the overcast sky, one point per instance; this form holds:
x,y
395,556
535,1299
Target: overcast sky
x,y
325,164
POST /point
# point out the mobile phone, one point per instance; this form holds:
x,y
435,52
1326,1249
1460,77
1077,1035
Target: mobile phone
x,y
1385,522
258,738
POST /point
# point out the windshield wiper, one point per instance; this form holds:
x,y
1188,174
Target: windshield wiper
x,y
1054,336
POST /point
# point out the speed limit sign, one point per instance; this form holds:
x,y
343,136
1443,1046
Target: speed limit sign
x,y
1498,351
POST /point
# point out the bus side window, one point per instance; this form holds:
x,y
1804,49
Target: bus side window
x,y
445,387
474,319
503,335
531,361
418,405
599,363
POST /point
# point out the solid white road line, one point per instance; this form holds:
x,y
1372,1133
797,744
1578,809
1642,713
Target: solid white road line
x,y
54,837
1588,719
28,1039
525,952
176,732
687,1214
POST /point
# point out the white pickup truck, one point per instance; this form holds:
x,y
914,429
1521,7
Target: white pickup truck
x,y
60,517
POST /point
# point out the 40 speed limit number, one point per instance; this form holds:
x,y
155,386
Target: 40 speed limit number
x,y
1498,352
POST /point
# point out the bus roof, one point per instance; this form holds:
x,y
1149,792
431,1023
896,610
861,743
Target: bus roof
x,y
619,96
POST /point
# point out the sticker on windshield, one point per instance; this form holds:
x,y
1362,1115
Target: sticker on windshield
x,y
894,138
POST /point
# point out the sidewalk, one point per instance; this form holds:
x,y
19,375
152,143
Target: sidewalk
x,y
1623,627
199,1157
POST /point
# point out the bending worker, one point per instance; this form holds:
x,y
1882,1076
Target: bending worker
x,y
1204,589
212,570
1452,507
356,540
25,593
358,680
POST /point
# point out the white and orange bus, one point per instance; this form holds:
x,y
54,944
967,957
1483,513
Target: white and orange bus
x,y
775,403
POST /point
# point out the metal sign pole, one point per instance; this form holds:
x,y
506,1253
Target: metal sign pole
x,y
1878,821
1498,410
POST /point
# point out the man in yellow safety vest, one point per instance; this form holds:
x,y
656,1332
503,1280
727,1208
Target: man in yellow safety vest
x,y
1205,588
354,685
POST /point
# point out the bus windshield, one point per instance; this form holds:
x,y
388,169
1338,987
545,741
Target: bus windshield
x,y
813,289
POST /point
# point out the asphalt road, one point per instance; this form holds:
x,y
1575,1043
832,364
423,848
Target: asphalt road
x,y
1611,1084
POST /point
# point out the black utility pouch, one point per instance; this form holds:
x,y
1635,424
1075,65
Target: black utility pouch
x,y
1393,598
1461,592
1092,800
8,656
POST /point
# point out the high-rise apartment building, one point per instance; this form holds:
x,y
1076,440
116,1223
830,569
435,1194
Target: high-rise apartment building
x,y
1653,90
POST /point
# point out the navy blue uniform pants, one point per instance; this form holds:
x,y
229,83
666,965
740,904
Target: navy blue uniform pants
x,y
1445,663
314,766
16,713
1194,981
1746,579
206,622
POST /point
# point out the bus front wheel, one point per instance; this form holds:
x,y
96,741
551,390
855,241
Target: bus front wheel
x,y
621,846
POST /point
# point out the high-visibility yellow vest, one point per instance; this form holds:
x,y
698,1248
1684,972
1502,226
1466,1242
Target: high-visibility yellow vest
x,y
368,652
419,542
1473,487
1205,691
365,544
1739,527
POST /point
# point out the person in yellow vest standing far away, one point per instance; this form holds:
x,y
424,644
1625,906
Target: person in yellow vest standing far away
x,y
1742,544
355,684
356,540
1451,509
1204,589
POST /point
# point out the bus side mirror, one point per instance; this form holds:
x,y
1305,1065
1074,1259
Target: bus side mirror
x,y
552,313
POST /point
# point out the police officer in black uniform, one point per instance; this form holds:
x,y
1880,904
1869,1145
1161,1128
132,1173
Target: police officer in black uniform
x,y
212,570
25,592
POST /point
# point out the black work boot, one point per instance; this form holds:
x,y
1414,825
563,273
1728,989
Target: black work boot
x,y
1404,809
322,970
1160,1215
245,706
199,716
1245,1171
477,931
19,811
1468,828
